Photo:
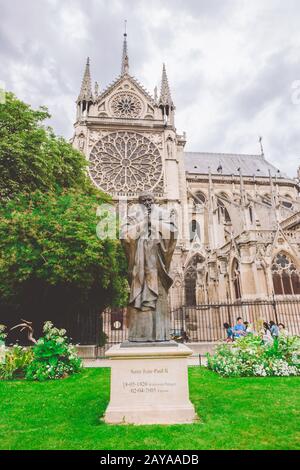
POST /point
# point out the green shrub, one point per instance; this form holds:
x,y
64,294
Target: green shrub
x,y
53,356
250,356
15,362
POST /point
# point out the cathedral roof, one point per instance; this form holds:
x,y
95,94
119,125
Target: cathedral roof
x,y
229,164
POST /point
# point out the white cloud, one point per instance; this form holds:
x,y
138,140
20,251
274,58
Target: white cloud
x,y
74,23
231,64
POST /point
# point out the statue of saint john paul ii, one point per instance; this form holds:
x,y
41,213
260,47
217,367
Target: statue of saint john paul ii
x,y
149,239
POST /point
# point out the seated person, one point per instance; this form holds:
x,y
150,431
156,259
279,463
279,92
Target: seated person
x,y
229,332
267,336
282,330
248,327
239,330
274,329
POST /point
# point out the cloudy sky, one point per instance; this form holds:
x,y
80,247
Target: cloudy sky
x,y
233,65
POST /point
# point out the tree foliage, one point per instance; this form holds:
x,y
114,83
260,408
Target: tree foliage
x,y
52,238
31,156
52,264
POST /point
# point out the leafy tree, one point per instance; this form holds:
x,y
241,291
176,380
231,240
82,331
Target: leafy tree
x,y
31,156
52,264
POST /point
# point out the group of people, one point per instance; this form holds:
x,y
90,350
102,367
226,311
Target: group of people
x,y
269,331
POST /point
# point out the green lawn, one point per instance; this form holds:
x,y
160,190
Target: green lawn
x,y
245,413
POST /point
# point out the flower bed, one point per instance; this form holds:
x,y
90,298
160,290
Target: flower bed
x,y
52,357
250,356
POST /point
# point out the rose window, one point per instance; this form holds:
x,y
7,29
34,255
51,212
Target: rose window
x,y
126,162
126,105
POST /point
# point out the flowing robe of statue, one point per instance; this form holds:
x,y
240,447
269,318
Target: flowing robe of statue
x,y
149,241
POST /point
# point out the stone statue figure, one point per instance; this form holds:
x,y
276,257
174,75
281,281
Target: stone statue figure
x,y
149,238
81,142
170,147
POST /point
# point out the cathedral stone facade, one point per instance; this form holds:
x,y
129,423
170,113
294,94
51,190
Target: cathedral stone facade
x,y
238,215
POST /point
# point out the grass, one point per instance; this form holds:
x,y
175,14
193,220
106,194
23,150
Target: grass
x,y
243,413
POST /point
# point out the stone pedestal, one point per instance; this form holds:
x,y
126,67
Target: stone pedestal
x,y
149,384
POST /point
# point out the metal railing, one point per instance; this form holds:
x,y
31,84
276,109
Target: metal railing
x,y
204,323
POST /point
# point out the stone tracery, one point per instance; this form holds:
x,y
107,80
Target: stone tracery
x,y
126,105
126,162
286,279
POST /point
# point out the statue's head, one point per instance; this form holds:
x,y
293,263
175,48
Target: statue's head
x,y
147,199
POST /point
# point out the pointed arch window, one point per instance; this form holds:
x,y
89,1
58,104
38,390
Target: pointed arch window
x,y
199,201
223,214
200,198
194,230
286,278
190,280
287,202
251,214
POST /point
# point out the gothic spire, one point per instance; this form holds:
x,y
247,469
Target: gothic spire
x,y
165,94
260,139
125,60
86,93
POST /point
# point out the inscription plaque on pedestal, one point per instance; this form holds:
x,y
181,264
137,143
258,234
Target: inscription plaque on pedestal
x,y
149,385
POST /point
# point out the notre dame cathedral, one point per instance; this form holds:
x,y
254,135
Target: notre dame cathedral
x,y
238,215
